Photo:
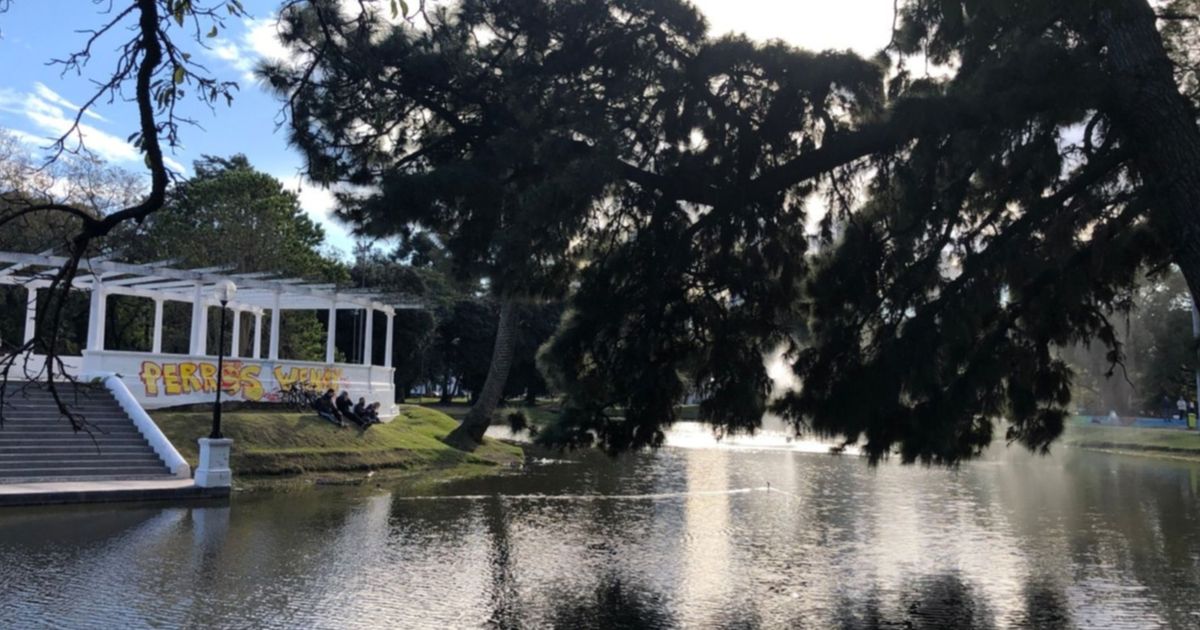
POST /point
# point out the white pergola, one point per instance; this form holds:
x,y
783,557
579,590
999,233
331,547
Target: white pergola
x,y
257,293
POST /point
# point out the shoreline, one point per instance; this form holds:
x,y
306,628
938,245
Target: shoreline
x,y
277,449
1173,444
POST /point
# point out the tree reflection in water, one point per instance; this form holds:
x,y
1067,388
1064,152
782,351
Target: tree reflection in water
x,y
946,601
613,604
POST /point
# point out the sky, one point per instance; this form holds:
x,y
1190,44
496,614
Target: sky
x,y
37,102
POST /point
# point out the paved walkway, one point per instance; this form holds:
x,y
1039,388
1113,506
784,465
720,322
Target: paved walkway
x,y
52,492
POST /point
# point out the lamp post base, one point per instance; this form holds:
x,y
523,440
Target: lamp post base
x,y
213,471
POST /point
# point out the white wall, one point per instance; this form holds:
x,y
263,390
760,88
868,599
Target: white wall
x,y
167,380
32,367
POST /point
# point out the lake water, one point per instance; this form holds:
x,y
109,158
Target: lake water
x,y
759,533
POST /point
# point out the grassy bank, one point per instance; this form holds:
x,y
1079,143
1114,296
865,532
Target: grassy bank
x,y
1149,441
273,443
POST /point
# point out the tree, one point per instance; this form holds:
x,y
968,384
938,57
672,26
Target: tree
x,y
1159,350
976,223
470,127
230,215
466,337
413,329
1165,354
82,181
159,72
983,267
979,219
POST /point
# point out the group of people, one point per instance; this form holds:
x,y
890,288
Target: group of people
x,y
1182,407
341,410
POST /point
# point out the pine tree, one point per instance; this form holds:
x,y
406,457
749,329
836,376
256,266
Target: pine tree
x,y
977,219
976,223
494,126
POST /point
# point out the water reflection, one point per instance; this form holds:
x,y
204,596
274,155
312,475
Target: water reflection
x,y
687,537
612,604
935,601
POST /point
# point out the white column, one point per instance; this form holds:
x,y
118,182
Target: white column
x,y
96,317
199,342
156,344
331,331
237,333
369,336
30,313
387,343
276,315
257,352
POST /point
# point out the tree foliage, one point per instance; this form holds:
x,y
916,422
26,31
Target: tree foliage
x,y
153,70
1159,365
973,221
970,231
231,215
469,127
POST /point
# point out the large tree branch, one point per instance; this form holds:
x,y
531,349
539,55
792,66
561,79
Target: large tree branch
x,y
909,119
157,86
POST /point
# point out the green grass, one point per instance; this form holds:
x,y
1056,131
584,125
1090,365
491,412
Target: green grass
x,y
273,443
1132,438
433,400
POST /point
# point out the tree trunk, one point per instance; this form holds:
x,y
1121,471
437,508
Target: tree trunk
x,y
446,397
1160,124
470,433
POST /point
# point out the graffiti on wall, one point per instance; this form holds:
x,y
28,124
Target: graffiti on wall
x,y
319,378
180,378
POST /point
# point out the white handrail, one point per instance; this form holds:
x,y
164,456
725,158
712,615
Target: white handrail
x,y
146,426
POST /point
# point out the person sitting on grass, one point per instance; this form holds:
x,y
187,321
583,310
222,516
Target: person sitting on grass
x,y
366,412
347,409
325,408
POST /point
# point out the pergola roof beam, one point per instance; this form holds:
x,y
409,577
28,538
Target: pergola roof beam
x,y
168,284
256,290
19,266
134,281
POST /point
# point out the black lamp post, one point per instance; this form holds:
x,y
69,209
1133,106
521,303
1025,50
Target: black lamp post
x,y
225,292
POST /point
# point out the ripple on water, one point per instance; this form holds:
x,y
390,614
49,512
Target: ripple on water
x,y
686,537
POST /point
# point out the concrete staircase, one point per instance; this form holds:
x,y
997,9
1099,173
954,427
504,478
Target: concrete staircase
x,y
37,444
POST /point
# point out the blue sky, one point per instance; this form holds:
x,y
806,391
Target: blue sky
x,y
37,101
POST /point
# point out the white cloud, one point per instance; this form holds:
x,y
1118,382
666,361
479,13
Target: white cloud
x,y
319,203
54,97
174,164
53,115
262,37
53,120
260,41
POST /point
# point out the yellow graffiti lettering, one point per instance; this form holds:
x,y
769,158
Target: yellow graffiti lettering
x,y
252,387
208,377
174,379
171,383
230,382
188,379
285,378
150,374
